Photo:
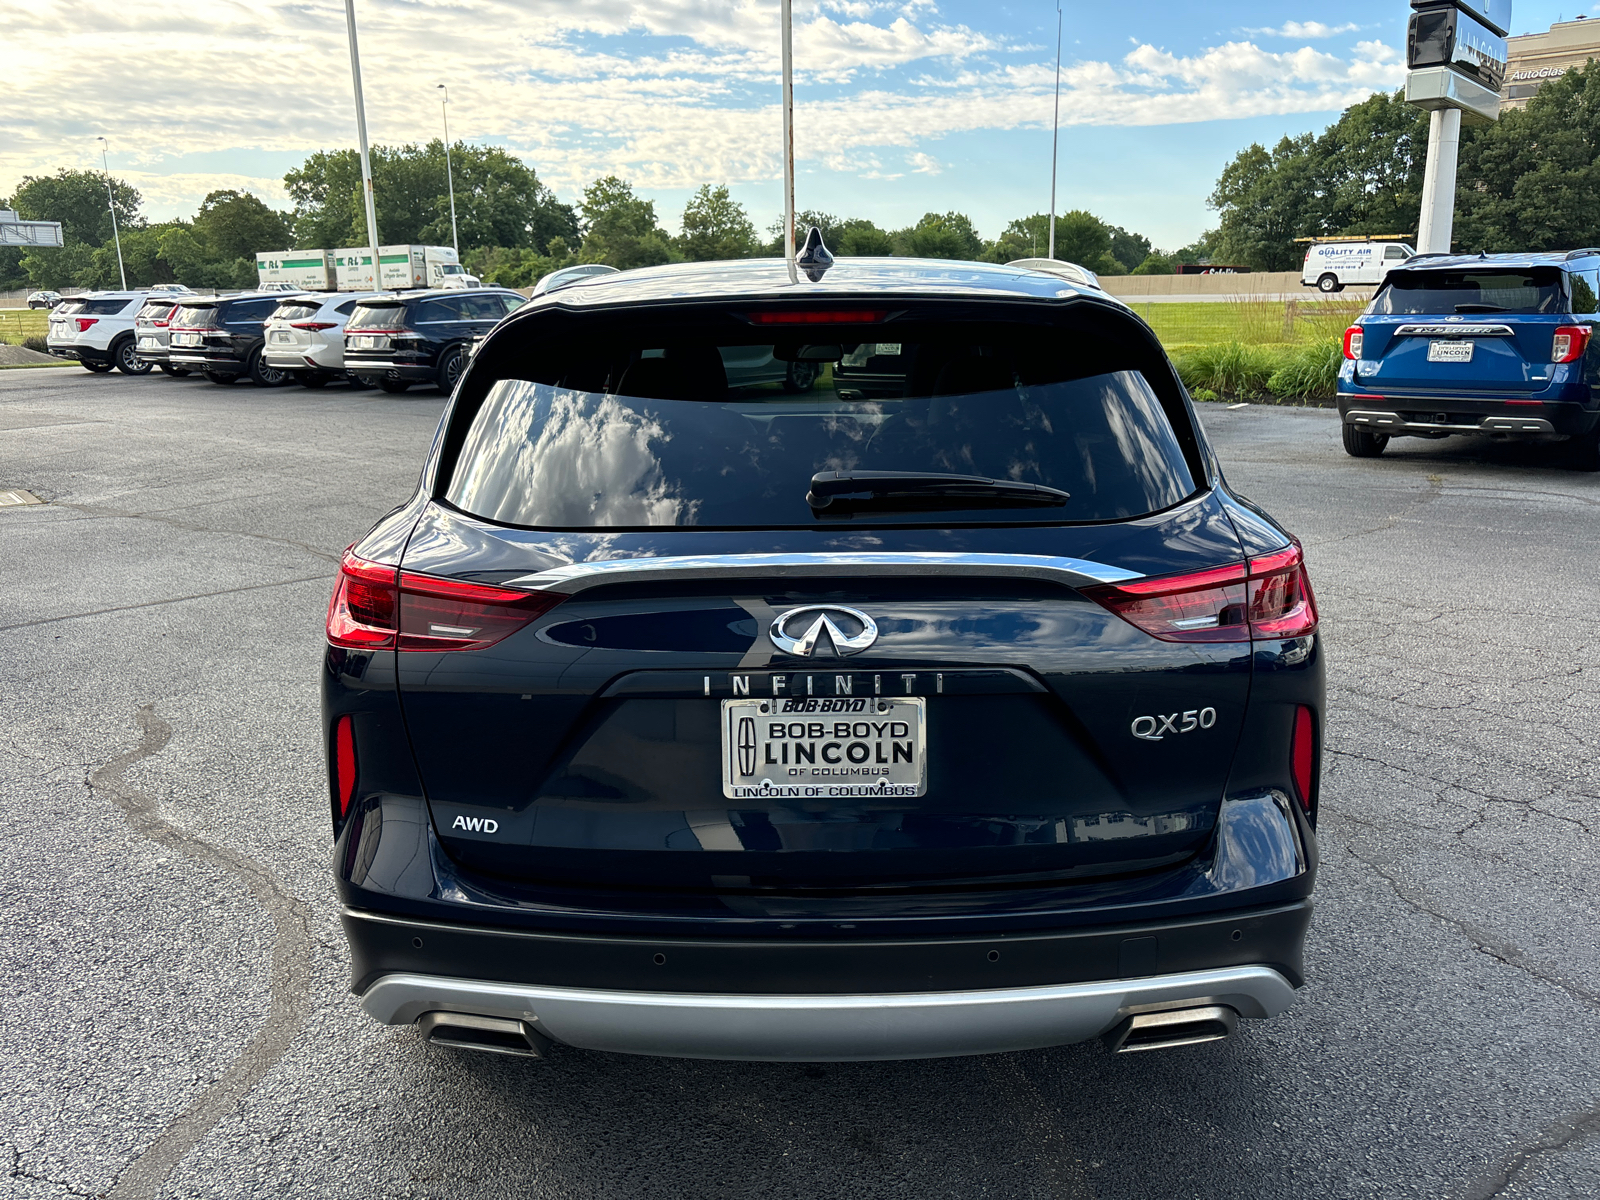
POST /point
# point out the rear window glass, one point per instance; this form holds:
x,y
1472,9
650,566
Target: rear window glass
x,y
154,310
377,316
733,436
296,310
192,316
99,308
250,310
1535,290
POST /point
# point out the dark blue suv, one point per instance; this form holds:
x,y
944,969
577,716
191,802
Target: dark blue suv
x,y
679,712
1491,344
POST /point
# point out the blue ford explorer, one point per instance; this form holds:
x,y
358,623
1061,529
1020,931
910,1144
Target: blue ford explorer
x,y
941,699
1491,344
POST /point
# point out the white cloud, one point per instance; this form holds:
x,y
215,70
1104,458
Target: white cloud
x,y
1305,29
666,93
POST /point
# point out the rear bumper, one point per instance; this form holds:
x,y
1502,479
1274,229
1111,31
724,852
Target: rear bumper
x,y
415,370
1400,416
812,1028
80,353
303,358
839,999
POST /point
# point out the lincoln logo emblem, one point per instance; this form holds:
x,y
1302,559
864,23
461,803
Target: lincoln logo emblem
x,y
800,631
747,745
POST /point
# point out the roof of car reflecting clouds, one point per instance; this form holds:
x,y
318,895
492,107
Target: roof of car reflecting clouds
x,y
768,279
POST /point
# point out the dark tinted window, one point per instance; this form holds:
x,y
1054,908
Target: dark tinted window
x,y
191,316
482,308
243,311
1582,286
154,310
99,308
433,311
662,435
1535,290
345,309
296,310
377,316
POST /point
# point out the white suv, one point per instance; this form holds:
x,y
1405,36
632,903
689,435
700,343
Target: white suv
x,y
305,336
97,330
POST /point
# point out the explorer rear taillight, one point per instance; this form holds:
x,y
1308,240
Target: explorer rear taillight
x,y
1265,599
1353,338
85,322
377,607
1569,344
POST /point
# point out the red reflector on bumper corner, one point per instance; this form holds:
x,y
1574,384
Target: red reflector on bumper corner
x,y
344,762
1302,754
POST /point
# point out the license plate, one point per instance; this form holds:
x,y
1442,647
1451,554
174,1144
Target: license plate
x,y
368,341
282,335
185,339
799,748
1449,351
149,343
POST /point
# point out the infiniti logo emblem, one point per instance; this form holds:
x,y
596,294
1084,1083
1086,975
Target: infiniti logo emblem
x,y
800,630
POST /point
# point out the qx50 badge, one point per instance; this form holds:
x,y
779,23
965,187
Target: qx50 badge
x,y
800,630
1155,729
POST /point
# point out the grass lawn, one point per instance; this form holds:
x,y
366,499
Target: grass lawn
x,y
18,323
1251,322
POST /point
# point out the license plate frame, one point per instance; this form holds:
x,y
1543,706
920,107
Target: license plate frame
x,y
184,339
149,343
890,762
1450,350
281,336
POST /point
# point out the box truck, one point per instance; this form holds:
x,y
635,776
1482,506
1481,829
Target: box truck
x,y
350,269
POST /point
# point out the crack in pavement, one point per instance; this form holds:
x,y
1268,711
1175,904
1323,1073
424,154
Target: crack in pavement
x,y
1556,1137
98,511
291,965
16,1172
98,612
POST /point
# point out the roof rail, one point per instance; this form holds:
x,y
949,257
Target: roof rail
x,y
1584,253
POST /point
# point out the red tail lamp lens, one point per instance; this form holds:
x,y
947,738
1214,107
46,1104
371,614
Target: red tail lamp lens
x,y
1302,754
1270,598
376,607
314,326
344,762
1570,343
85,322
1352,342
449,614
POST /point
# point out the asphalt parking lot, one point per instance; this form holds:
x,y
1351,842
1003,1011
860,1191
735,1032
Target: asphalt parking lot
x,y
175,1020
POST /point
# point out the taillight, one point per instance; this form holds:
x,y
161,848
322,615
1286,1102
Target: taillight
x,y
1570,343
1302,754
314,326
85,322
1268,598
1352,342
816,316
344,762
375,607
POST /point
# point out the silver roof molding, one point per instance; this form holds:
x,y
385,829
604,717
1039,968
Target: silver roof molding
x,y
575,577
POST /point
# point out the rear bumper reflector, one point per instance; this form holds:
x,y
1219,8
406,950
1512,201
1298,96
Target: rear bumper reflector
x,y
838,1028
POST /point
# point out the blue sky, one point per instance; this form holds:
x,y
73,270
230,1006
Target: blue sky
x,y
903,106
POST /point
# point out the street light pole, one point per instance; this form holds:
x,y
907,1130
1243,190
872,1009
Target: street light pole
x,y
1055,135
105,150
788,140
449,176
361,132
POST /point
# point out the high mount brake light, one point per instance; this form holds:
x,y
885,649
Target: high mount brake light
x,y
1268,598
376,607
1353,337
819,316
1569,344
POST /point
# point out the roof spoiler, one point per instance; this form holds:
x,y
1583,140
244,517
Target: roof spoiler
x,y
1066,270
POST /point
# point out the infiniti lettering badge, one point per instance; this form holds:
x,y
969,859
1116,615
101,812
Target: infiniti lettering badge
x,y
799,631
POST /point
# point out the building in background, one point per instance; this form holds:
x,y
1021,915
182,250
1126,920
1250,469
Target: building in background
x,y
1536,57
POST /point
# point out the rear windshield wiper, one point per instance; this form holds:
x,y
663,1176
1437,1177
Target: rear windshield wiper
x,y
924,490
1479,307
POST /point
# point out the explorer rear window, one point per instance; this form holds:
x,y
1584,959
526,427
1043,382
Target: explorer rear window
x,y
1488,290
731,434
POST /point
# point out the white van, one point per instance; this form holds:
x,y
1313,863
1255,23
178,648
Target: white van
x,y
1333,266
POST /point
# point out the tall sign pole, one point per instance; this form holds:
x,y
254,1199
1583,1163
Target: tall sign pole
x,y
361,133
788,140
105,150
449,175
1055,135
1456,58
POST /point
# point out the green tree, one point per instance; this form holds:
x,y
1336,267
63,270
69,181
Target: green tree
x,y
715,226
1531,181
1083,238
57,267
238,225
1156,264
1267,199
500,200
619,229
78,200
940,235
1026,237
1129,249
860,238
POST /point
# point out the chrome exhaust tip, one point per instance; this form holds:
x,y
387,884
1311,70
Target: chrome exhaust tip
x,y
1174,1027
493,1035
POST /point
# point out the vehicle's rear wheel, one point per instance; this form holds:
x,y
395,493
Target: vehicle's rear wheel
x,y
1361,443
1329,283
802,376
99,368
360,381
311,379
450,367
127,360
264,376
394,385
175,372
219,377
